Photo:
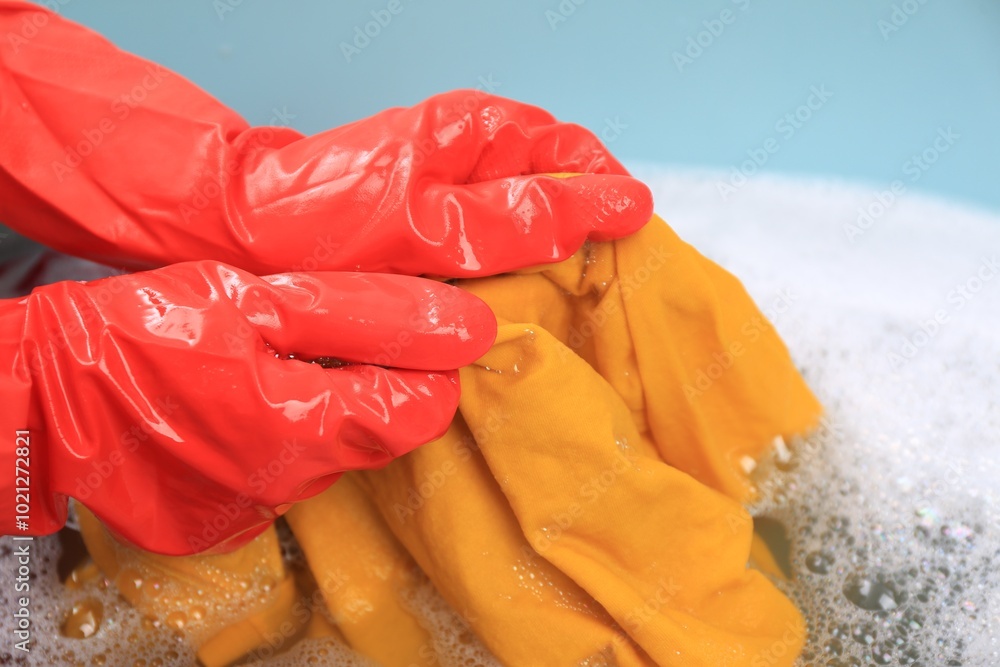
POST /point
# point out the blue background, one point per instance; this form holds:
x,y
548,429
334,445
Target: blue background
x,y
613,62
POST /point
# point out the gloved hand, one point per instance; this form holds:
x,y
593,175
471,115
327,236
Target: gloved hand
x,y
111,157
145,392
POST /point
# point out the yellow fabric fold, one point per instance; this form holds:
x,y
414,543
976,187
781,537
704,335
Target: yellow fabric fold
x,y
229,604
585,505
662,553
702,370
448,511
362,572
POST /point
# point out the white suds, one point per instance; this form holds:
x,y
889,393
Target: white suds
x,y
890,510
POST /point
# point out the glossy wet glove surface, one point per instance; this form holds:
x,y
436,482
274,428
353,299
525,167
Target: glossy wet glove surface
x,y
143,389
111,157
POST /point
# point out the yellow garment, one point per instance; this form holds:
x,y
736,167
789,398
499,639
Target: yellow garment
x,y
451,515
658,321
656,548
361,570
190,592
585,504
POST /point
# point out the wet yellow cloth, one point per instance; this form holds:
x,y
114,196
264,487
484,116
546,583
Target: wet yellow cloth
x,y
361,571
190,592
656,548
706,377
585,504
452,516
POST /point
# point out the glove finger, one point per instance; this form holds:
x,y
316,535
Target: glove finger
x,y
387,320
350,418
498,226
474,136
514,149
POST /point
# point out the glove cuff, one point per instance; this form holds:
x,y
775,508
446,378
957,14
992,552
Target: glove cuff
x,y
26,506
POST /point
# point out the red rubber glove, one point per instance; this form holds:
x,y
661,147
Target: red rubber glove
x,y
101,374
108,156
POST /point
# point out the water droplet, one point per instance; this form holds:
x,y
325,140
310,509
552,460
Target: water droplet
x,y
833,647
176,620
958,531
128,580
864,633
81,575
819,562
909,657
83,620
883,652
873,593
154,587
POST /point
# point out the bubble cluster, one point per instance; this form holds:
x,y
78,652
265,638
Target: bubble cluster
x,y
86,622
888,513
454,643
880,585
891,509
322,652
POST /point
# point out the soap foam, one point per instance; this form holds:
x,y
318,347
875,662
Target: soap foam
x,y
890,509
123,637
319,652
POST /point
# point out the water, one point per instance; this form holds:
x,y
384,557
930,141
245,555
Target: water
x,y
886,520
891,509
